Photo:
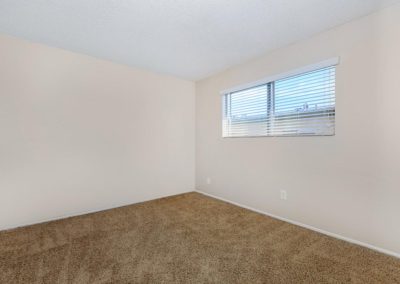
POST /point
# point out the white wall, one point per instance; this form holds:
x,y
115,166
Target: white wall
x,y
347,184
81,134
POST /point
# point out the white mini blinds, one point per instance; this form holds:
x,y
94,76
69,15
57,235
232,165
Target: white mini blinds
x,y
298,105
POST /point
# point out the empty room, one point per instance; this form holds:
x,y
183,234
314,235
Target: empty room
x,y
199,141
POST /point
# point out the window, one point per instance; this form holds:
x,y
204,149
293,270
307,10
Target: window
x,y
297,105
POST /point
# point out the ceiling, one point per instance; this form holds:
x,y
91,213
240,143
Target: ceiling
x,y
191,39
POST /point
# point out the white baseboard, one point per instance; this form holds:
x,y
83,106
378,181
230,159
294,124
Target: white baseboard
x,y
334,235
76,214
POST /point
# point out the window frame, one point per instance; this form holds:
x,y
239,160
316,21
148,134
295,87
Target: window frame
x,y
271,107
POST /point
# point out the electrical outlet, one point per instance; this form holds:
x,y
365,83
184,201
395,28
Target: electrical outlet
x,y
283,194
208,180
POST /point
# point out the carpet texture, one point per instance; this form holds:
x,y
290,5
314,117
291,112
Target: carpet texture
x,y
188,238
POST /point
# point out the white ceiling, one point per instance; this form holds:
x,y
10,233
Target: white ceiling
x,y
187,38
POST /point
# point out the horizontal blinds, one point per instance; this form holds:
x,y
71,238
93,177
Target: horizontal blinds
x,y
299,105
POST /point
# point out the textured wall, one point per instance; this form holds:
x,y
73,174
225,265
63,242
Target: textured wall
x,y
80,134
347,184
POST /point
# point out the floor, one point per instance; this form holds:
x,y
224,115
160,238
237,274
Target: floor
x,y
188,238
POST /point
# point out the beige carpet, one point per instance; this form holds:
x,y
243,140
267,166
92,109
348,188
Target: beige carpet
x,y
188,238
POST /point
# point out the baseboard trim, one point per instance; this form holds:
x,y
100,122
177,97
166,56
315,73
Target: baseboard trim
x,y
82,213
334,235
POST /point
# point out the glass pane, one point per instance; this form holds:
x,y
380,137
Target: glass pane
x,y
249,104
313,91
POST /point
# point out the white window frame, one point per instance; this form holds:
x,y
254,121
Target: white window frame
x,y
266,81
